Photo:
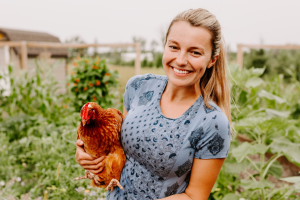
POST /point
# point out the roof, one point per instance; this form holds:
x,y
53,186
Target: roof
x,y
20,35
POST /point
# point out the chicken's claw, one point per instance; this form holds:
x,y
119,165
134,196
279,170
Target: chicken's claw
x,y
112,184
88,174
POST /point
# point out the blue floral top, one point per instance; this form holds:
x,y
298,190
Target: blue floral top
x,y
160,150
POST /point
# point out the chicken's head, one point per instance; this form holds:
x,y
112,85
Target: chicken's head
x,y
87,114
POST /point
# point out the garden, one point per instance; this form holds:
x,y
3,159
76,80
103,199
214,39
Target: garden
x,y
38,129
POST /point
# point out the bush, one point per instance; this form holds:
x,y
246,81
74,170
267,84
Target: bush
x,y
92,81
275,62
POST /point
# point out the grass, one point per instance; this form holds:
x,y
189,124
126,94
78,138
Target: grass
x,y
126,72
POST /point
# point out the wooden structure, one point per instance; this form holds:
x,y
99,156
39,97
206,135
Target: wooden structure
x,y
24,46
241,46
17,49
23,57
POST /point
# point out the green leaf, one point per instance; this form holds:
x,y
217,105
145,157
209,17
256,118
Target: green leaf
x,y
246,149
99,92
235,167
253,82
270,96
276,169
243,97
82,96
10,69
250,121
23,140
231,196
277,113
292,179
289,149
250,184
257,71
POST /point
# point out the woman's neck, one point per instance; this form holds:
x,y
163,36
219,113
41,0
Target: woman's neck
x,y
181,94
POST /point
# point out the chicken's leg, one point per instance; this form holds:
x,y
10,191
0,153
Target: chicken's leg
x,y
91,176
112,184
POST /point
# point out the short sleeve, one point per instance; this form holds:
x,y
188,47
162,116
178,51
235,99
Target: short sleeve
x,y
212,139
132,86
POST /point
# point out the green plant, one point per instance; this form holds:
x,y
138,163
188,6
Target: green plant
x,y
93,81
261,112
275,61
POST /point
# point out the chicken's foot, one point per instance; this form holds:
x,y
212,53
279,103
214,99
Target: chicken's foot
x,y
112,184
88,175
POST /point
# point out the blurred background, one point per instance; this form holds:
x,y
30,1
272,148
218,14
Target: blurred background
x,y
57,55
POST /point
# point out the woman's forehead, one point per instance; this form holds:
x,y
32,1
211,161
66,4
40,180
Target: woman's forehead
x,y
185,34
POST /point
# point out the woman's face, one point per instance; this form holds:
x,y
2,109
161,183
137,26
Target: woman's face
x,y
187,54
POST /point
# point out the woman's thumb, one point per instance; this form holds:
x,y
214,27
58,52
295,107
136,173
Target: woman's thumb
x,y
79,142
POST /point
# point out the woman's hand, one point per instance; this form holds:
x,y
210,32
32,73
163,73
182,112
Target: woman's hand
x,y
86,161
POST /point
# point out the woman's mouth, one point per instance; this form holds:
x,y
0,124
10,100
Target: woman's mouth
x,y
180,72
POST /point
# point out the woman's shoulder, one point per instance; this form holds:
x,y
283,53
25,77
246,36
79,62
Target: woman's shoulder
x,y
137,80
211,136
214,115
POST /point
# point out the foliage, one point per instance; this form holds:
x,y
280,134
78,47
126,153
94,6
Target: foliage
x,y
93,81
38,133
275,62
261,112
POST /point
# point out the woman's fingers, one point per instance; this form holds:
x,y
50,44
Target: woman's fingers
x,y
82,155
97,171
86,162
93,167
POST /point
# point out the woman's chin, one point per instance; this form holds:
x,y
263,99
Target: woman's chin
x,y
178,82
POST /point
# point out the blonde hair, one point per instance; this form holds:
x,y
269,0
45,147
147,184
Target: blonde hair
x,y
213,84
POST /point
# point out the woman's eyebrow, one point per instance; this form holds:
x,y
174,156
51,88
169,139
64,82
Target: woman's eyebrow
x,y
198,47
172,41
192,47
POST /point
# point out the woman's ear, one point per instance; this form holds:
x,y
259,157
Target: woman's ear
x,y
212,62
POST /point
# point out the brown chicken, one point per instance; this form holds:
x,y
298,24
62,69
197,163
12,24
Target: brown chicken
x,y
100,132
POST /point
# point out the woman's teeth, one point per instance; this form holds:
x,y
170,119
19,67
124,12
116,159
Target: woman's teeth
x,y
181,71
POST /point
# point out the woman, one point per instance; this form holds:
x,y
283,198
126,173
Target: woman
x,y
176,133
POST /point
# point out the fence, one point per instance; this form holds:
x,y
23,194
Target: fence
x,y
24,45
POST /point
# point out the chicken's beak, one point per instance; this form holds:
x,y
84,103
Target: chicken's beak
x,y
83,122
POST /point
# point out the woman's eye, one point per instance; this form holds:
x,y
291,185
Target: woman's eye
x,y
173,47
196,52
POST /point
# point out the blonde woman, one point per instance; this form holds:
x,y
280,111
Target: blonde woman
x,y
176,134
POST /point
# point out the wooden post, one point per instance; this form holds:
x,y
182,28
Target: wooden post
x,y
137,59
24,55
6,55
239,56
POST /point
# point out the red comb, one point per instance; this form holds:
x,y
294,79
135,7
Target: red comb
x,y
85,112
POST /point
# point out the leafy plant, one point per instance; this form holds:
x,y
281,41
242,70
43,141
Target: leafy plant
x,y
93,81
262,114
38,131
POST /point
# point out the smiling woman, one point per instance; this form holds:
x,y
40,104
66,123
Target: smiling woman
x,y
176,134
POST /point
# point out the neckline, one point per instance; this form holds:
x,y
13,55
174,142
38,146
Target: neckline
x,y
159,99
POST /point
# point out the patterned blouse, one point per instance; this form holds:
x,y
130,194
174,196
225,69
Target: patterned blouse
x,y
160,150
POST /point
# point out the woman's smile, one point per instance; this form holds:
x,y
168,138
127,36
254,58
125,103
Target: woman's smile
x,y
181,72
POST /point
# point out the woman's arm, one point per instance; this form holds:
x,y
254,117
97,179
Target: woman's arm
x,y
203,177
124,112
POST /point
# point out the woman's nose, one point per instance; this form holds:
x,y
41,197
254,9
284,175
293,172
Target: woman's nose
x,y
181,59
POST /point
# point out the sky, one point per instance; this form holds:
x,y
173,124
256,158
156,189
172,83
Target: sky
x,y
273,22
